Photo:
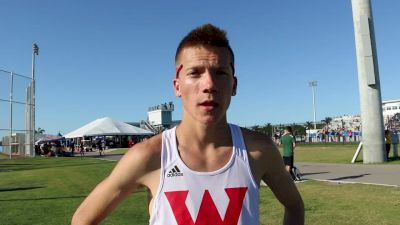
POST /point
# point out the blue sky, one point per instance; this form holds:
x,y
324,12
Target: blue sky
x,y
116,58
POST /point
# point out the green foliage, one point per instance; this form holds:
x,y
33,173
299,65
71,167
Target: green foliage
x,y
309,125
40,131
265,129
327,121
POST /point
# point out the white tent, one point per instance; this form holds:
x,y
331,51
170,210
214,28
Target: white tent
x,y
107,127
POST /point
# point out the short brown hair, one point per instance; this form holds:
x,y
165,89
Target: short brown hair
x,y
205,35
289,129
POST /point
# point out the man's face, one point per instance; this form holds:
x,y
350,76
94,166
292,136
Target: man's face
x,y
205,82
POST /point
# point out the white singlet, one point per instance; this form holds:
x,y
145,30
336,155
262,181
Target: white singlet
x,y
227,196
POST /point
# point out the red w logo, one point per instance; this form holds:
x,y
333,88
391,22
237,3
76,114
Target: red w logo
x,y
208,212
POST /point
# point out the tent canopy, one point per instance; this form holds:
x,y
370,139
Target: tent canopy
x,y
107,127
48,138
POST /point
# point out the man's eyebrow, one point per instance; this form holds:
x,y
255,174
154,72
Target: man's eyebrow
x,y
178,69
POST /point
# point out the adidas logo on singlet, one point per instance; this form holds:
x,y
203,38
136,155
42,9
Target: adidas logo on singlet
x,y
174,172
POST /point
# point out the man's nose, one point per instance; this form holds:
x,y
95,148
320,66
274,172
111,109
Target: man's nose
x,y
209,82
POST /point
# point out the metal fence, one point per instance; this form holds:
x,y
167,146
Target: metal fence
x,y
16,114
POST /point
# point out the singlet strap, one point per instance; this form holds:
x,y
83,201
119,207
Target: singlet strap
x,y
240,149
238,142
169,153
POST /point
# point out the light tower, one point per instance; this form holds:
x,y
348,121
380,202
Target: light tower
x,y
313,84
35,51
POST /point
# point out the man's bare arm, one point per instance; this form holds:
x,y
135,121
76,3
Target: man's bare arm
x,y
282,185
267,165
131,171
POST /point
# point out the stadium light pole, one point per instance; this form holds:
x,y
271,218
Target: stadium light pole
x,y
35,51
10,140
313,84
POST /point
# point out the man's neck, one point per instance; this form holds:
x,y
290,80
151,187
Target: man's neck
x,y
201,136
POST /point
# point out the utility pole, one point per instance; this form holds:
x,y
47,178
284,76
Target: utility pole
x,y
313,84
369,83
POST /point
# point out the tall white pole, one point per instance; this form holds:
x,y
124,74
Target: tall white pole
x,y
312,85
28,133
35,51
11,113
369,83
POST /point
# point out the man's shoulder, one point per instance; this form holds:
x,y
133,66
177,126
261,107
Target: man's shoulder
x,y
150,146
263,153
147,152
288,136
256,141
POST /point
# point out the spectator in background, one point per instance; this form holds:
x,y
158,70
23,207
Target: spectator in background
x,y
276,138
72,147
82,148
42,149
395,142
130,142
289,143
103,144
350,135
388,141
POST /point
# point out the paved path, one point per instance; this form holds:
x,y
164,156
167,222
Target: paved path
x,y
352,173
357,173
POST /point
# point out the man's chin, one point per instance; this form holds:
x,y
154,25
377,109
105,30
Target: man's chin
x,y
210,120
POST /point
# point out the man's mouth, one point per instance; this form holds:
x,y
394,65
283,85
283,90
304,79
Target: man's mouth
x,y
209,105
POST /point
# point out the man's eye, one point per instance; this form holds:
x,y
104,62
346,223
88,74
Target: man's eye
x,y
193,74
221,72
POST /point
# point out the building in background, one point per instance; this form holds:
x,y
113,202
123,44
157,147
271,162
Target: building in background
x,y
159,117
390,109
391,114
15,144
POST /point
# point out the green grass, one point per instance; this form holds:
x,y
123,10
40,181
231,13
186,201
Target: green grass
x,y
331,203
331,153
48,191
326,153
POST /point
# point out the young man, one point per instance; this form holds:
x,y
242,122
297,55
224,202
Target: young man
x,y
289,143
204,171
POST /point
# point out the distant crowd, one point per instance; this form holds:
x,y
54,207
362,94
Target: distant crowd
x,y
80,146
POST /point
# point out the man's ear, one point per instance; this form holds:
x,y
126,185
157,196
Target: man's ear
x,y
234,86
177,87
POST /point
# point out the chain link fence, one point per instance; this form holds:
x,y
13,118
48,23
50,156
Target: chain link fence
x,y
16,114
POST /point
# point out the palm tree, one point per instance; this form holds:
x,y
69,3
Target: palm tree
x,y
268,129
308,126
255,128
40,131
327,121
